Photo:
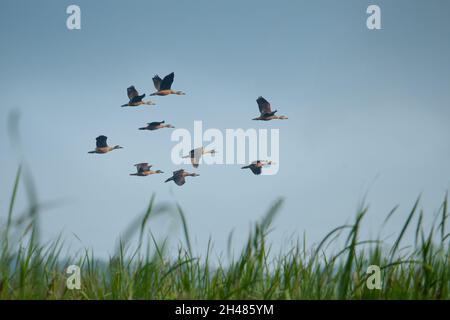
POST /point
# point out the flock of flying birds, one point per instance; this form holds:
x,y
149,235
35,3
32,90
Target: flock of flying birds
x,y
164,88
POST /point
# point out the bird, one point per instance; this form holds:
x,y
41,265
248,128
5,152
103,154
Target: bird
x,y
179,176
196,154
135,98
163,86
266,111
102,146
156,125
256,166
143,169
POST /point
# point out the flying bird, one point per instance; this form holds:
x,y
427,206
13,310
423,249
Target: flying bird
x,y
179,176
266,111
197,153
102,146
143,169
156,125
135,98
256,166
163,86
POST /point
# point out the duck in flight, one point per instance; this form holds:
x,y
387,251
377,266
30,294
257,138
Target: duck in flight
x,y
156,125
135,98
179,177
102,146
266,111
197,153
163,86
143,170
256,166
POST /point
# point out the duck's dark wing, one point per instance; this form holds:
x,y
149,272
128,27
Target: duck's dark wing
x,y
166,84
264,105
101,141
132,92
179,180
255,169
154,124
157,82
195,156
178,172
141,167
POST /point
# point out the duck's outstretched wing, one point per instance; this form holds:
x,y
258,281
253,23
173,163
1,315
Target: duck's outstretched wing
x,y
264,105
166,83
155,124
132,92
195,156
178,172
101,141
256,169
179,180
157,82
141,167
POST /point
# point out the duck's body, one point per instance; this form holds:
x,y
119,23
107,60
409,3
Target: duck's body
x,y
143,170
102,147
156,125
135,99
179,177
266,111
196,154
256,166
163,86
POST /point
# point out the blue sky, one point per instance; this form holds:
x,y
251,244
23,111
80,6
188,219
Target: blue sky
x,y
368,110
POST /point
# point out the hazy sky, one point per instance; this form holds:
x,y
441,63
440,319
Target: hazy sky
x,y
368,110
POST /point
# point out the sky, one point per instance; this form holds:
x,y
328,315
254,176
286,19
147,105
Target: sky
x,y
368,112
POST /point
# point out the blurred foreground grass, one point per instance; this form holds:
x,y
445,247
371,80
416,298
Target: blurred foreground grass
x,y
31,270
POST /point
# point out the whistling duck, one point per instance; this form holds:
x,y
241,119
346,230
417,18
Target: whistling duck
x,y
266,111
135,98
196,154
102,146
179,176
163,86
143,169
156,125
256,166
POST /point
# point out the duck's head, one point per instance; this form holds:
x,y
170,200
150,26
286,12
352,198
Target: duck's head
x,y
117,147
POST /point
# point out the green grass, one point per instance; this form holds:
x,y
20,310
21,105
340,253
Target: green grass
x,y
32,270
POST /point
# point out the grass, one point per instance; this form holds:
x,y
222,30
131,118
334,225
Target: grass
x,y
31,270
